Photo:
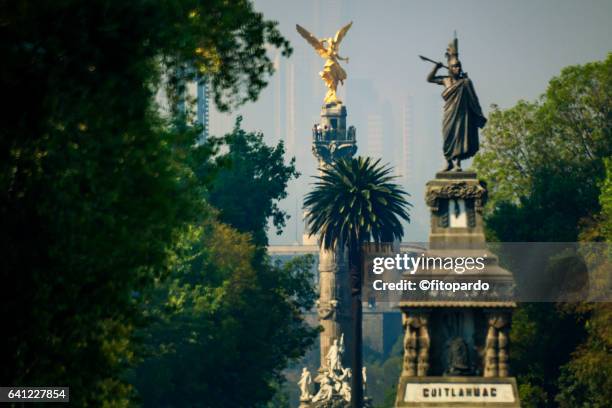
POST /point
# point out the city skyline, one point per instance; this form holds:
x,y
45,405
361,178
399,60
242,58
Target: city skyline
x,y
511,51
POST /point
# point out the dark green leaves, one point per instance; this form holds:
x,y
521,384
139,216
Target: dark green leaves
x,y
356,200
96,189
544,160
248,189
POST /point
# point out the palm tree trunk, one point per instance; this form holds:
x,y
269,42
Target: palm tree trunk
x,y
355,273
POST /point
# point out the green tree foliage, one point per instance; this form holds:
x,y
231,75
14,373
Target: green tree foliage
x,y
383,372
227,321
247,191
355,201
606,202
538,351
587,379
226,324
95,189
545,163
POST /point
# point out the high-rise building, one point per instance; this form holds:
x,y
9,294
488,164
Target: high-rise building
x,y
375,141
289,138
405,162
277,96
193,102
202,101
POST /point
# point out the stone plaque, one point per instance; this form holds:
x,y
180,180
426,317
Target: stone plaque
x,y
457,391
468,392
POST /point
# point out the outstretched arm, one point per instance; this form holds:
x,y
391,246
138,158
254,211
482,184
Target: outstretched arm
x,y
342,58
432,75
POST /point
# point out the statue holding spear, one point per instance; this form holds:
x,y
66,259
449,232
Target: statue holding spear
x,y
462,113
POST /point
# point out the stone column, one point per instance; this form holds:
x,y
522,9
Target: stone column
x,y
332,140
410,348
328,303
490,355
416,344
496,345
502,344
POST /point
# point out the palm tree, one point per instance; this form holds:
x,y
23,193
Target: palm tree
x,y
355,201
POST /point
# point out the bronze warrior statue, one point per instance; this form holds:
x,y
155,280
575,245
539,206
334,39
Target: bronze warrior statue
x,y
462,113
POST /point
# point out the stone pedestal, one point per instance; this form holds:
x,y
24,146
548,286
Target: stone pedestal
x,y
456,343
456,200
333,140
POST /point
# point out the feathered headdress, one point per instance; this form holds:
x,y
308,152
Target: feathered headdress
x,y
452,51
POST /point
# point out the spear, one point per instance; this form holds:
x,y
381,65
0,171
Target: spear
x,y
432,61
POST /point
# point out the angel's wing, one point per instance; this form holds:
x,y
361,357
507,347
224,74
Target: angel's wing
x,y
317,45
341,33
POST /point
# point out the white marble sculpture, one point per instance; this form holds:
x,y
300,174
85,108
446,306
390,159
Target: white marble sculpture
x,y
326,390
342,386
334,380
364,378
304,383
333,356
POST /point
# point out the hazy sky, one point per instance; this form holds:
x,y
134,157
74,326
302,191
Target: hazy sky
x,y
511,49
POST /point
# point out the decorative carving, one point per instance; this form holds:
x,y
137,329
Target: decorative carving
x,y
342,384
410,350
327,310
444,219
496,346
334,382
502,344
490,354
471,213
326,387
503,353
328,151
416,345
424,343
435,194
305,385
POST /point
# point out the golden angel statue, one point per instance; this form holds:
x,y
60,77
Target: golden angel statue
x,y
328,48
